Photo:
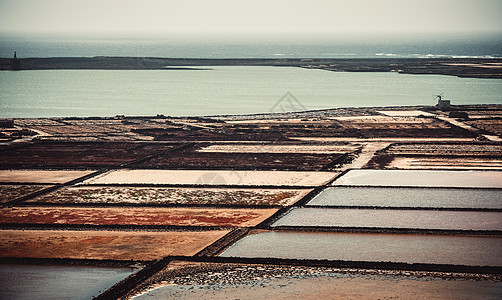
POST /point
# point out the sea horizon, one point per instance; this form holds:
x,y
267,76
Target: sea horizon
x,y
395,46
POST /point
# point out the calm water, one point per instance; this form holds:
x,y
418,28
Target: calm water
x,y
422,178
436,249
224,90
408,197
392,218
57,282
413,46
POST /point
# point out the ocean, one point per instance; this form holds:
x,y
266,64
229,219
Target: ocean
x,y
403,46
224,90
234,90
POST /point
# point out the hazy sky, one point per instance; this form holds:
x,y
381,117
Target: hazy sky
x,y
260,18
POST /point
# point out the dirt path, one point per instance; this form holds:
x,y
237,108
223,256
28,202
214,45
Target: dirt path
x,y
367,152
452,121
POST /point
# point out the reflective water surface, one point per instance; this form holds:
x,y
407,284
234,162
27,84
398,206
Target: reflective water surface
x,y
422,178
392,218
408,248
57,282
409,197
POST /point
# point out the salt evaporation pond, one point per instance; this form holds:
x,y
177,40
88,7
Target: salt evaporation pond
x,y
392,218
422,178
57,282
405,248
409,197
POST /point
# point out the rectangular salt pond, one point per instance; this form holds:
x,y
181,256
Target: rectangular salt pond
x,y
403,248
422,178
212,177
57,282
392,218
409,197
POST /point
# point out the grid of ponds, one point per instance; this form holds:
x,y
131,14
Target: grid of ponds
x,y
446,207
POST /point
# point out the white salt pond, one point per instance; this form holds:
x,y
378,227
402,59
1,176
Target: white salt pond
x,y
421,178
409,197
392,218
213,177
404,248
57,282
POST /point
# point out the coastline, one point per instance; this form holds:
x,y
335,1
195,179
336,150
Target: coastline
x,y
460,67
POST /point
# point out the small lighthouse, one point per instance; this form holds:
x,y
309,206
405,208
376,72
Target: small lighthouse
x,y
15,63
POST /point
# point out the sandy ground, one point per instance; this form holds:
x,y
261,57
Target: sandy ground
x,y
316,149
152,195
445,163
122,245
40,176
404,113
223,177
367,152
135,216
389,118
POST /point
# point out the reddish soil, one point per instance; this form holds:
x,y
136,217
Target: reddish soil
x,y
120,245
135,216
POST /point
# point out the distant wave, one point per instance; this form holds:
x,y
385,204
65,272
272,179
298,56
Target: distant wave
x,y
387,54
434,55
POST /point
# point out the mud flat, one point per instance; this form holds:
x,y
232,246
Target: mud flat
x,y
135,216
41,176
117,245
421,178
212,177
21,281
213,281
13,191
391,218
76,154
403,248
184,196
244,161
408,197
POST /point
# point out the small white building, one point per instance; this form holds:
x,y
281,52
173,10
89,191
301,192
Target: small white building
x,y
443,104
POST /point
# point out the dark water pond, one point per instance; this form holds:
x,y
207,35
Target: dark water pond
x,y
57,282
